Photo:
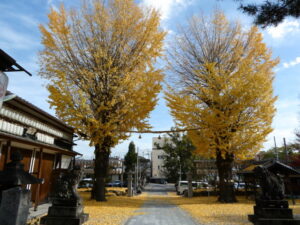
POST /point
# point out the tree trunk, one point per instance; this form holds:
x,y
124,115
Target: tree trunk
x,y
102,153
226,184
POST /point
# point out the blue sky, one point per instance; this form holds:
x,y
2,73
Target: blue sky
x,y
20,38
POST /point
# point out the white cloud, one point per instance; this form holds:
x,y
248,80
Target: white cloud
x,y
52,4
287,26
12,38
279,134
287,104
27,20
84,148
285,122
166,6
292,63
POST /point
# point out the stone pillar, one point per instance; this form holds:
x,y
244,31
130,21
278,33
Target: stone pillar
x,y
129,184
15,200
190,185
14,207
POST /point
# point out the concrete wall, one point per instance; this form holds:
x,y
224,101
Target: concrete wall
x,y
157,156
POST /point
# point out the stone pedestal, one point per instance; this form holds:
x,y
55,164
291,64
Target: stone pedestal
x,y
190,185
272,212
67,208
129,184
14,207
64,213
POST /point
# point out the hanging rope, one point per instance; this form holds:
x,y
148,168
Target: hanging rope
x,y
164,131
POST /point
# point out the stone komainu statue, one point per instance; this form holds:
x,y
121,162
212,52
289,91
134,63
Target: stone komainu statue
x,y
272,185
65,186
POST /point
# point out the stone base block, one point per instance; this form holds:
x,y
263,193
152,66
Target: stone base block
x,y
51,220
274,221
65,202
63,211
272,203
277,213
14,207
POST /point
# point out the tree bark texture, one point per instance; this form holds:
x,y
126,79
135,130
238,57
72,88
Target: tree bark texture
x,y
226,184
101,168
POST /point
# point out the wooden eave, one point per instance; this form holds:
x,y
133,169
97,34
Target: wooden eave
x,y
37,144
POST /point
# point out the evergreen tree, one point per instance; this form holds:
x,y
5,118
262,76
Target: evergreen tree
x,y
179,156
130,158
272,12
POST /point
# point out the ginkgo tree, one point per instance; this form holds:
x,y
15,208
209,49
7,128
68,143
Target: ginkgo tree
x,y
222,86
99,61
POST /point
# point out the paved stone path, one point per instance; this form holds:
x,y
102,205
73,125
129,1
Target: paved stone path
x,y
41,210
158,212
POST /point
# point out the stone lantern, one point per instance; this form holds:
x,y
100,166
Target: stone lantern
x,y
129,184
15,200
190,184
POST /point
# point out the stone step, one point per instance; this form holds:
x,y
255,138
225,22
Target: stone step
x,y
274,221
48,220
273,212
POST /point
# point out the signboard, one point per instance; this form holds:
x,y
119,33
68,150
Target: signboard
x,y
3,87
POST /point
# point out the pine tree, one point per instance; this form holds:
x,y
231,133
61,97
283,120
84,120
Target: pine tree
x,y
272,12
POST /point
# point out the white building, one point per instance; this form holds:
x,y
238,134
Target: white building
x,y
157,157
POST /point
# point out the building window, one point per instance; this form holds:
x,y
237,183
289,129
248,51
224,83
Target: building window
x,y
158,167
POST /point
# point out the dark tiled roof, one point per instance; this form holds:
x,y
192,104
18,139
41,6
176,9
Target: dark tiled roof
x,y
272,165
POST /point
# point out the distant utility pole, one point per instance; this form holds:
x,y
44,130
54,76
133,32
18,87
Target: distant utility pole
x,y
276,152
122,171
286,152
179,160
136,169
137,166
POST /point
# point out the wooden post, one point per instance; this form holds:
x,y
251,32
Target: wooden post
x,y
190,185
37,194
276,151
59,162
8,150
122,177
1,144
2,148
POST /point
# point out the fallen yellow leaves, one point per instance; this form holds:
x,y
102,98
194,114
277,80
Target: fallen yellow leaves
x,y
116,189
210,212
296,207
35,221
115,211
